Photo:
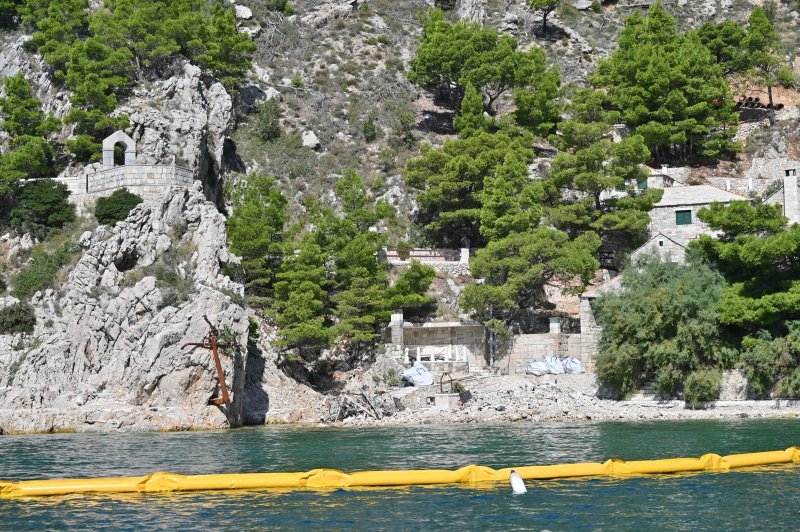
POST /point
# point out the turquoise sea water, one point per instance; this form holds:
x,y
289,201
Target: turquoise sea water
x,y
765,499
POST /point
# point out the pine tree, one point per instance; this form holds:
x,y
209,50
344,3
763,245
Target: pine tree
x,y
451,181
255,231
471,120
669,88
763,52
545,7
22,112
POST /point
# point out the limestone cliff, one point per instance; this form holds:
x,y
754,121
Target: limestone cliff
x,y
106,352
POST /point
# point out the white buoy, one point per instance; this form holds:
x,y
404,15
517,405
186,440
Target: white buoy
x,y
517,484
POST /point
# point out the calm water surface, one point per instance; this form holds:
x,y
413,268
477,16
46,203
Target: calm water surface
x,y
754,500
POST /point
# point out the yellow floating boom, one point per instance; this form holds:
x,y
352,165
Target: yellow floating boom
x,y
331,478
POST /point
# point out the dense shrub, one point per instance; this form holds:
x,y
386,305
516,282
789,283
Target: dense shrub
x,y
370,130
41,205
40,273
662,326
17,318
772,364
116,207
702,386
266,121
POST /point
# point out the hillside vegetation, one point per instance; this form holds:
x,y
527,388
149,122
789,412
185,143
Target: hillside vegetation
x,y
428,126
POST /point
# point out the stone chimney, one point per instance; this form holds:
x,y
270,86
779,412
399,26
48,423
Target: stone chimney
x,y
791,208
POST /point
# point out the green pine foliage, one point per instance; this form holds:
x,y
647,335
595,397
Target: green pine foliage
x,y
40,206
669,88
451,183
17,318
330,290
516,267
763,54
451,56
760,258
31,154
116,207
9,13
593,170
255,232
663,325
99,53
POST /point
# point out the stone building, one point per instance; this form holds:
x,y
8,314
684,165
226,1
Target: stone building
x,y
676,214
788,197
670,249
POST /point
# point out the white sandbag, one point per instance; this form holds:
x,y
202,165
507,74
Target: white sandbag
x,y
537,368
554,365
418,375
573,366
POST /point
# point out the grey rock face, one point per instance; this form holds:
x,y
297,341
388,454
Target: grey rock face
x,y
106,352
181,119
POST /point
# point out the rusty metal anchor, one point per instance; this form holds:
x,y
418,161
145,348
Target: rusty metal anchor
x,y
210,342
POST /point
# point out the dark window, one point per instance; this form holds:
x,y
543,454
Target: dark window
x,y
661,243
683,217
791,172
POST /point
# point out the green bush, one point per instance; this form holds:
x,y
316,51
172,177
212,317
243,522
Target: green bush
x,y
702,386
41,205
789,386
370,130
662,326
116,207
597,7
17,318
266,122
40,273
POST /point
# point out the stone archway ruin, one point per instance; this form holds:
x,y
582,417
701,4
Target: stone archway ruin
x,y
118,137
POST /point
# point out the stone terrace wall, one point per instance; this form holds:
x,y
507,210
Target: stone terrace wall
x,y
139,178
147,178
449,261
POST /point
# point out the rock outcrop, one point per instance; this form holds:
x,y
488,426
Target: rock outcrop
x,y
106,352
185,120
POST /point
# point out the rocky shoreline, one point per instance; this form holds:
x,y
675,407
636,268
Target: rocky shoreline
x,y
562,398
495,399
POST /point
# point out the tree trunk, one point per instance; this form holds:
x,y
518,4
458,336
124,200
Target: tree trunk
x,y
771,106
544,23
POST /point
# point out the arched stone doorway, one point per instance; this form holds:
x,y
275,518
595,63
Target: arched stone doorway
x,y
129,146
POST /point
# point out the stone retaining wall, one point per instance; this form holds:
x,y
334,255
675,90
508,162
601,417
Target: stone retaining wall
x,y
530,347
139,178
449,261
